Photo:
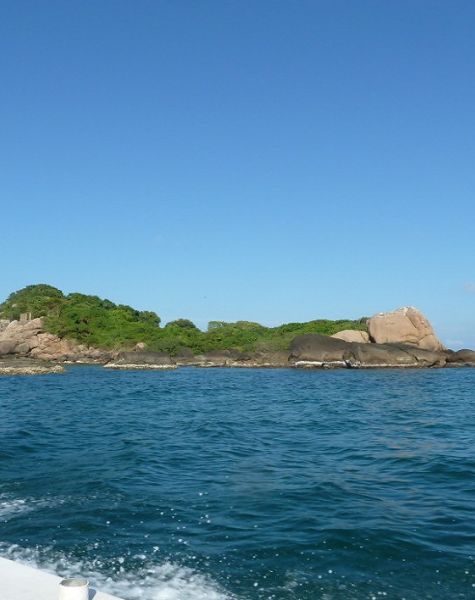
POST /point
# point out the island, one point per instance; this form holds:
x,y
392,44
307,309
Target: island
x,y
42,329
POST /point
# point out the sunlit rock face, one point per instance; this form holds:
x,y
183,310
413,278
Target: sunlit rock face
x,y
405,325
352,335
29,339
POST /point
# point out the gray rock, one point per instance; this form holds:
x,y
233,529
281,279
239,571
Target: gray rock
x,y
394,355
461,358
425,358
7,346
23,348
144,358
321,351
313,347
24,366
379,355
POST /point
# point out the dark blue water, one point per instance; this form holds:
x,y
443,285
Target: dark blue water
x,y
273,484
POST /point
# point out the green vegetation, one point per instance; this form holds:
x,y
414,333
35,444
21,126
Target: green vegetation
x,y
39,300
103,324
88,319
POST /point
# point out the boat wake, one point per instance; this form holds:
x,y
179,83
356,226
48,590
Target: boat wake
x,y
164,581
129,577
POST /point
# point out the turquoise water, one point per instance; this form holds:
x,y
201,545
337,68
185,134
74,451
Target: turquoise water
x,y
246,484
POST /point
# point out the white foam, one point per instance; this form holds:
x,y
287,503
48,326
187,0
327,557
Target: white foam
x,y
11,507
164,581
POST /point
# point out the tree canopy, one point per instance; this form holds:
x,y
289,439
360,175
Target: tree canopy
x,y
85,318
39,300
104,324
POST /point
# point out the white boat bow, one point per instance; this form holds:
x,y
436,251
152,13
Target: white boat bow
x,y
20,582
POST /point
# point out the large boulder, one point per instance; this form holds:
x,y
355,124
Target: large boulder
x,y
28,339
20,336
403,326
313,350
352,335
393,355
48,346
380,355
23,329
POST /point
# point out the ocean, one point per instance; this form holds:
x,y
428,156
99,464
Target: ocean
x,y
243,484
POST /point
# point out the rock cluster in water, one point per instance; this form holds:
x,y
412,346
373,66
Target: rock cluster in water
x,y
402,338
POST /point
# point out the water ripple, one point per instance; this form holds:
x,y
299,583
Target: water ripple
x,y
261,484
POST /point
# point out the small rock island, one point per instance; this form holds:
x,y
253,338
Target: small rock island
x,y
41,330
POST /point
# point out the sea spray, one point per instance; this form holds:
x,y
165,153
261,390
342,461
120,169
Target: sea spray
x,y
149,581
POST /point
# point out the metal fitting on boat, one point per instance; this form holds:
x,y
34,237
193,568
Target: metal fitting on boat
x,y
74,589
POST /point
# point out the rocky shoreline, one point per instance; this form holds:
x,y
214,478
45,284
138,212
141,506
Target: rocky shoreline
x,y
28,366
401,339
308,352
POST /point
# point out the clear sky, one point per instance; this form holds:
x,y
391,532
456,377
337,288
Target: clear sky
x,y
271,161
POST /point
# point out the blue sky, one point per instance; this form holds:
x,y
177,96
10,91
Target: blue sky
x,y
270,161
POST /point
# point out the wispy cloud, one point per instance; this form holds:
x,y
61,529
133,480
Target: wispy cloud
x,y
469,287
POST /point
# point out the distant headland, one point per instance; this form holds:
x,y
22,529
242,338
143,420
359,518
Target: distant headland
x,y
41,329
